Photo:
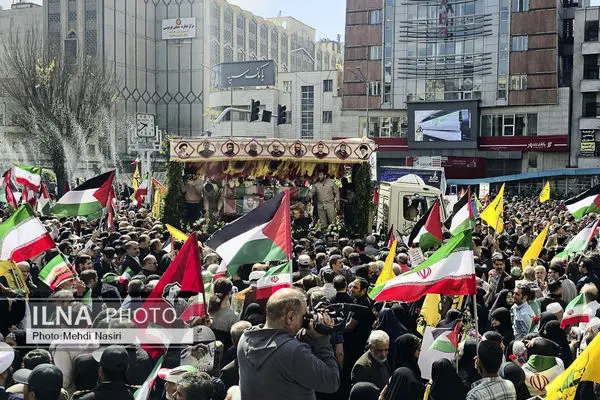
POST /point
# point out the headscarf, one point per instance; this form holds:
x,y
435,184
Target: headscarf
x,y
466,364
445,383
512,372
254,314
452,315
552,331
543,347
546,317
388,323
402,314
505,328
500,301
364,391
404,385
406,346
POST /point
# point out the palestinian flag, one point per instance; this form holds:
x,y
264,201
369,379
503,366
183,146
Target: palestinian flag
x,y
10,188
446,339
29,177
143,393
44,202
539,371
463,216
576,312
263,234
276,278
450,271
141,191
87,298
584,203
57,271
86,199
23,236
580,241
428,230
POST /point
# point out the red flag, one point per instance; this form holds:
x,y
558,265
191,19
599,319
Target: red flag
x,y
29,197
391,237
110,219
9,188
67,187
375,197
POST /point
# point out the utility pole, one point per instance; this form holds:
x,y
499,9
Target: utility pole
x,y
366,97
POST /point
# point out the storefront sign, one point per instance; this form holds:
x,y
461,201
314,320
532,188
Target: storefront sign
x,y
240,149
243,74
524,143
179,28
588,143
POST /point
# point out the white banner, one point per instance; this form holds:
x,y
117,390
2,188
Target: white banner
x,y
149,335
179,28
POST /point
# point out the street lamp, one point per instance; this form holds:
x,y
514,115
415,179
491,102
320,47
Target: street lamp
x,y
363,80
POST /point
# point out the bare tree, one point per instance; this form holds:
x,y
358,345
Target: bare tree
x,y
60,105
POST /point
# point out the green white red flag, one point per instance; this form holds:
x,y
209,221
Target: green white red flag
x,y
576,312
29,177
446,339
23,236
276,278
44,202
57,271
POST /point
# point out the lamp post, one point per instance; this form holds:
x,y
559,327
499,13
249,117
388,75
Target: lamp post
x,y
367,96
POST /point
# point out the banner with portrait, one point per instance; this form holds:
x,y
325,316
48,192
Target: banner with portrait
x,y
347,151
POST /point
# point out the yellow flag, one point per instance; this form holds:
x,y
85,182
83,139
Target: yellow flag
x,y
387,273
532,253
431,309
12,277
136,177
545,193
585,368
156,205
493,212
176,234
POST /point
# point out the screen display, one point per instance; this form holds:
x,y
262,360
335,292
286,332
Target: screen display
x,y
442,125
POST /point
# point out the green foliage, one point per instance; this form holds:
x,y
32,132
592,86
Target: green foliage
x,y
48,176
174,199
364,198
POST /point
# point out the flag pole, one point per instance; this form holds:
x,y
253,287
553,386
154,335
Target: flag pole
x,y
476,319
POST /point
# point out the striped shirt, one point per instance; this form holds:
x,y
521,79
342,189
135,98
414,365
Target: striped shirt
x,y
494,388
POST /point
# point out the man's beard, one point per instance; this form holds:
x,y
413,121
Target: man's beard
x,y
378,359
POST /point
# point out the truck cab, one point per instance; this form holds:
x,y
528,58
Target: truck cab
x,y
403,202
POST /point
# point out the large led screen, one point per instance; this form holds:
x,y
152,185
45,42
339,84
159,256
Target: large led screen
x,y
442,125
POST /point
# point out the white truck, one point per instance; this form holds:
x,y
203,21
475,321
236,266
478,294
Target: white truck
x,y
404,201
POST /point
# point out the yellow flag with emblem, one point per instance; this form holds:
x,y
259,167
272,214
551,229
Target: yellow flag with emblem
x,y
137,178
585,368
531,255
493,212
176,234
387,273
545,193
11,277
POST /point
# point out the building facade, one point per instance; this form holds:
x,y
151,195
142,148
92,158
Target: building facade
x,y
499,68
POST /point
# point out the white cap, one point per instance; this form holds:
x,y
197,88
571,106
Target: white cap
x,y
304,259
554,308
256,275
7,356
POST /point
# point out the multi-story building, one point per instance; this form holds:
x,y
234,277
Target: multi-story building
x,y
483,83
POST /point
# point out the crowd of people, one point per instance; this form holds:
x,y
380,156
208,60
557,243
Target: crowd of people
x,y
288,346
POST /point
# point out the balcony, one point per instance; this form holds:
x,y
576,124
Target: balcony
x,y
588,48
591,110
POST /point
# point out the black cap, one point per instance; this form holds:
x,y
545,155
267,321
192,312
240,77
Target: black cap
x,y
114,358
45,378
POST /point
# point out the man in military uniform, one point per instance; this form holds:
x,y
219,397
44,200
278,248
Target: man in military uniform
x,y
328,198
111,375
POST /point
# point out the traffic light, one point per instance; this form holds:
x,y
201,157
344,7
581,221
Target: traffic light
x,y
266,116
254,110
281,114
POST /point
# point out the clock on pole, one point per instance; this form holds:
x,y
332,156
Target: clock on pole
x,y
145,125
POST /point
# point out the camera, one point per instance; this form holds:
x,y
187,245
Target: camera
x,y
337,312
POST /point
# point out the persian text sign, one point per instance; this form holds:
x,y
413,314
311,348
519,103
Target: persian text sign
x,y
240,149
524,143
179,28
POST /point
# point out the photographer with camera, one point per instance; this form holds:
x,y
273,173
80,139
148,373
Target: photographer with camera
x,y
287,358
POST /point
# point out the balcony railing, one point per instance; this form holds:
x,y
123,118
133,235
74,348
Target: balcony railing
x,y
591,110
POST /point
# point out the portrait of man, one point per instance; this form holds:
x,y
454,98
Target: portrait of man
x,y
320,150
297,149
363,152
206,149
342,151
250,203
253,149
183,150
276,149
229,149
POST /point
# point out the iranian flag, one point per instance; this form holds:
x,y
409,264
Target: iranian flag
x,y
10,188
29,177
276,278
87,198
141,191
580,241
57,271
428,230
446,339
462,216
264,234
576,312
23,236
449,271
44,202
143,393
29,197
584,203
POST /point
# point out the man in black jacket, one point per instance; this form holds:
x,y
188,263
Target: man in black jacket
x,y
373,366
132,260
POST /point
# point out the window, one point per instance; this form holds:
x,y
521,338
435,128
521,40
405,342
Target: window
x,y
91,149
375,52
327,85
327,117
509,125
518,82
374,88
520,5
2,114
374,17
519,43
287,86
591,31
533,160
288,117
307,118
